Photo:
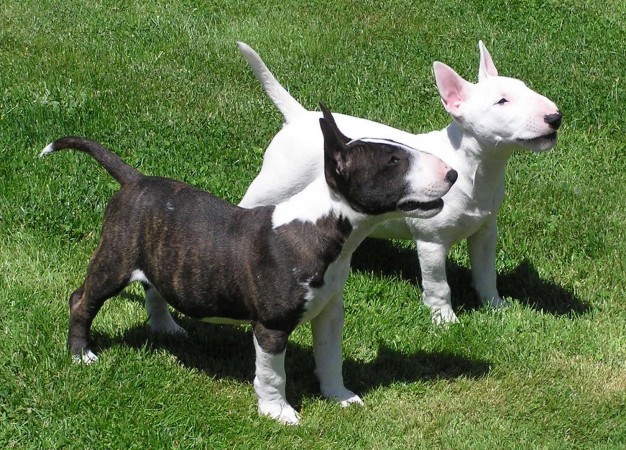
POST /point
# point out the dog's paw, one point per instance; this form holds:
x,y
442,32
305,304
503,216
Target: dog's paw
x,y
343,396
444,316
353,400
167,327
496,303
282,412
87,357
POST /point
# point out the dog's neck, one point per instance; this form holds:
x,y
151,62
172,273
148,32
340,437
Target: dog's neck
x,y
481,175
318,201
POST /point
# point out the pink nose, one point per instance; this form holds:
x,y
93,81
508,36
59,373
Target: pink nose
x,y
442,170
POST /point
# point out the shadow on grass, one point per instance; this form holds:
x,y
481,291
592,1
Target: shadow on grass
x,y
522,284
225,351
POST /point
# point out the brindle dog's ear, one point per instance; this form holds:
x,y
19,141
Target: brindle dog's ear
x,y
328,117
334,148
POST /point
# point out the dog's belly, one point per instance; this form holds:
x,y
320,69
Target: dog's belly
x,y
139,275
224,321
220,309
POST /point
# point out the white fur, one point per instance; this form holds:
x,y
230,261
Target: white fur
x,y
138,275
269,385
309,205
334,280
327,329
159,316
85,358
478,144
47,150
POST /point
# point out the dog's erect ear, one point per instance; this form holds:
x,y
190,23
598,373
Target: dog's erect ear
x,y
334,147
328,117
487,68
453,89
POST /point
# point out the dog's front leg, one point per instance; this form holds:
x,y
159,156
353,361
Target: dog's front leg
x,y
432,257
270,377
327,329
482,252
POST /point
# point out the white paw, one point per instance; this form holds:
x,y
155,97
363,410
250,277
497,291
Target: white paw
x,y
353,400
496,303
444,315
343,396
167,327
85,358
282,412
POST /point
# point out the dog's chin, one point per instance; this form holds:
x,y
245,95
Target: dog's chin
x,y
421,210
541,143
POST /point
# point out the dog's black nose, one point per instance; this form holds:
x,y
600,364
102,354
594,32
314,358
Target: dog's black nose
x,y
451,176
554,120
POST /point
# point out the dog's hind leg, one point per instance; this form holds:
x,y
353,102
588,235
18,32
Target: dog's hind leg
x,y
108,273
159,316
270,377
79,325
85,302
327,329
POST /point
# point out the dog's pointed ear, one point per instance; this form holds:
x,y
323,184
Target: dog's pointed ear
x,y
486,68
335,146
453,89
332,125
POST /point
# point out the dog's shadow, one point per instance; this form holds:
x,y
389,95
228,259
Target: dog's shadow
x,y
522,284
226,351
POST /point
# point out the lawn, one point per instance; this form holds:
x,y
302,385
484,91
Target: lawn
x,y
163,85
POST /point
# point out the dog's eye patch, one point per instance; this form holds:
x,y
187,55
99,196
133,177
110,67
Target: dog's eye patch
x,y
502,101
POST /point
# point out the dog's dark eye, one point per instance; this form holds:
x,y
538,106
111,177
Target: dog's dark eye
x,y
502,101
393,161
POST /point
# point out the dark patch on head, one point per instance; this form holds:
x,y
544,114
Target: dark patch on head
x,y
371,176
376,177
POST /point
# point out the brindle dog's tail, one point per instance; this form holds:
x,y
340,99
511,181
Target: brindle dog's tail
x,y
113,164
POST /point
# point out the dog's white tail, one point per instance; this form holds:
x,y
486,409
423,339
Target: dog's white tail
x,y
286,104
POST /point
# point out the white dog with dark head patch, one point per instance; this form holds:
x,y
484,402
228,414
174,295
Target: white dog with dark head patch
x,y
491,119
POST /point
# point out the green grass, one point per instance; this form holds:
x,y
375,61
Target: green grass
x,y
163,84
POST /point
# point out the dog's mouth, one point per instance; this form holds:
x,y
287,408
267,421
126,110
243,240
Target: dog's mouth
x,y
541,143
415,207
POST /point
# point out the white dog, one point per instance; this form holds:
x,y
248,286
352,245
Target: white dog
x,y
490,120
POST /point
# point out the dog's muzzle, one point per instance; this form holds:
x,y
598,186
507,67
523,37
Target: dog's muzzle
x,y
414,205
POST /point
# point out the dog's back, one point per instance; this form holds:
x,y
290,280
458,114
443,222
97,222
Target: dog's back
x,y
491,119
